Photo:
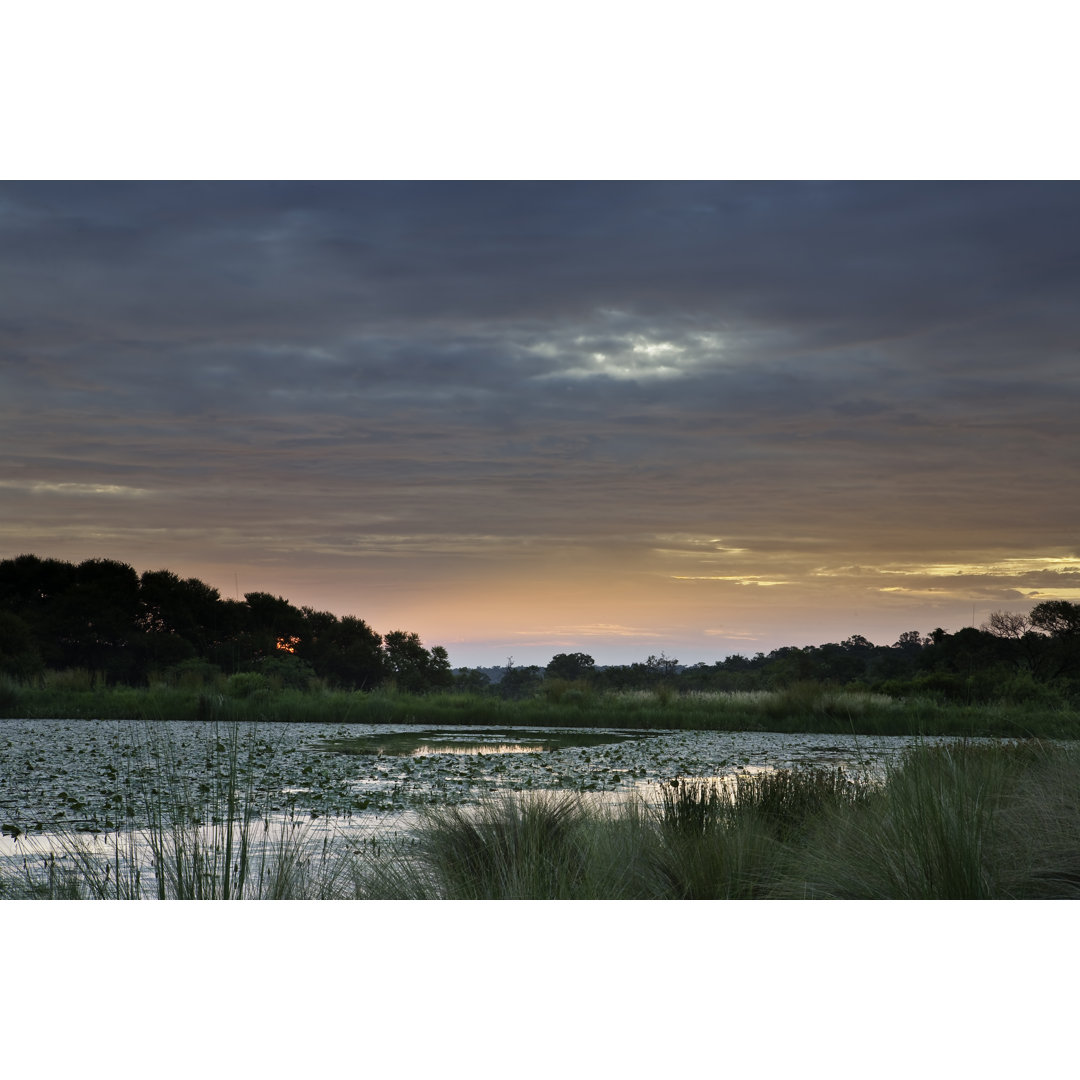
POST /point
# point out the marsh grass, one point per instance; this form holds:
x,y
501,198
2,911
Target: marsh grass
x,y
727,838
703,840
510,848
962,821
953,822
802,707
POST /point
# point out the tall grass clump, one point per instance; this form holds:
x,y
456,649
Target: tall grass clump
x,y
9,696
728,838
934,831
703,840
1039,828
511,848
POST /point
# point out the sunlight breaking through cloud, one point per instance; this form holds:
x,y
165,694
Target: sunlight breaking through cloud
x,y
1010,567
738,579
622,356
112,490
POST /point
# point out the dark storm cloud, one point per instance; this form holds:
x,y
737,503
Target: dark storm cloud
x,y
848,262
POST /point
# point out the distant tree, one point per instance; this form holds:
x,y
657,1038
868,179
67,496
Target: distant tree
x,y
1058,618
1061,620
856,643
1007,624
412,666
570,666
910,640
662,665
472,680
440,674
103,616
520,682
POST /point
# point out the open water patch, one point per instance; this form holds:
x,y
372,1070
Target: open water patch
x,y
433,741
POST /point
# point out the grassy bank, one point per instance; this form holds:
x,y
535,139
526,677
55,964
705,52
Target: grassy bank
x,y
959,822
801,708
955,821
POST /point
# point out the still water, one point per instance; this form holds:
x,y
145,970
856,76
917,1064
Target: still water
x,y
98,777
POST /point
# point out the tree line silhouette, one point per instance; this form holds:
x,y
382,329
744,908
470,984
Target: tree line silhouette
x,y
102,616
1020,659
129,628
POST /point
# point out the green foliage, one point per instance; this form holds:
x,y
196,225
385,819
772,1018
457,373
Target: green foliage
x,y
471,681
931,833
575,693
246,684
192,674
286,671
518,683
82,693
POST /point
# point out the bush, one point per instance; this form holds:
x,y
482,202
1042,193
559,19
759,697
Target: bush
x,y
287,672
245,684
192,674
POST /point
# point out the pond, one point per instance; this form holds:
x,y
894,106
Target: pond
x,y
97,777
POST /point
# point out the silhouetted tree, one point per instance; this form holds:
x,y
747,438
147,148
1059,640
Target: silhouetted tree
x,y
570,666
413,667
472,680
99,615
1058,618
19,654
346,651
1007,624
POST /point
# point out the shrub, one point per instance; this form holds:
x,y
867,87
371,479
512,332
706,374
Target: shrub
x,y
245,684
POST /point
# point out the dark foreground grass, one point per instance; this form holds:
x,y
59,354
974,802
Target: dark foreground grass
x,y
958,821
800,708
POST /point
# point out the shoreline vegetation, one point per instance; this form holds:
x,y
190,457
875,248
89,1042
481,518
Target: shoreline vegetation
x,y
99,639
958,821
802,707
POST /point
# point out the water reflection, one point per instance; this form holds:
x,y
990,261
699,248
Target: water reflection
x,y
424,749
429,742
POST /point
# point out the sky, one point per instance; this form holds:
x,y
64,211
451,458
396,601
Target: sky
x,y
524,418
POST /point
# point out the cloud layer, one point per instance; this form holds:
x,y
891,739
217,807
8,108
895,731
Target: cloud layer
x,y
507,412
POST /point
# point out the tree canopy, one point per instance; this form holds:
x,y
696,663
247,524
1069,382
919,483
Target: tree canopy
x,y
102,616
